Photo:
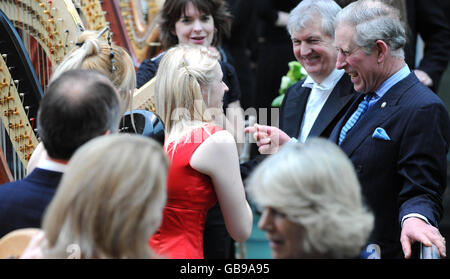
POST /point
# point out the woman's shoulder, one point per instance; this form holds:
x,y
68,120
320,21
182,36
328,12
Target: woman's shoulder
x,y
204,132
196,134
212,128
218,146
217,135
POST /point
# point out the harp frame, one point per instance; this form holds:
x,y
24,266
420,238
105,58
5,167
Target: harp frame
x,y
92,14
144,97
20,92
55,26
143,33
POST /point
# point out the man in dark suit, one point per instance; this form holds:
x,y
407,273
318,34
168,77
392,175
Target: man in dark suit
x,y
397,134
429,19
312,106
295,103
78,106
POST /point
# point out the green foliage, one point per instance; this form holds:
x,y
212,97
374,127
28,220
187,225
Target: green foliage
x,y
296,72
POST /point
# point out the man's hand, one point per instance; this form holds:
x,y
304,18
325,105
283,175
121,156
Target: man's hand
x,y
268,139
415,229
424,77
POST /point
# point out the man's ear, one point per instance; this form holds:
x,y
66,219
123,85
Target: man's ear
x,y
381,50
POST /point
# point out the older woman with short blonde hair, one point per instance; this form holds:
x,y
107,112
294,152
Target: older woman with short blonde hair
x,y
312,202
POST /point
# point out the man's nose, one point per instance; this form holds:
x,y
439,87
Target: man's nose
x,y
340,61
305,49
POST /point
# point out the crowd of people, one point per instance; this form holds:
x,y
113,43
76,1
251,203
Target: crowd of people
x,y
358,161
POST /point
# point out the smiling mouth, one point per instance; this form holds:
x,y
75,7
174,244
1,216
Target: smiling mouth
x,y
198,38
311,58
352,74
275,243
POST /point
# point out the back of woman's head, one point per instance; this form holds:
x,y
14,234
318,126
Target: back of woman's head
x,y
110,199
316,186
183,74
173,10
94,53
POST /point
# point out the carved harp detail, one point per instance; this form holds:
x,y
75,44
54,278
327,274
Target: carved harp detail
x,y
14,117
55,25
37,35
92,14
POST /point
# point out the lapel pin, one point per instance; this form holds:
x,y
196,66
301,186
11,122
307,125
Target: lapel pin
x,y
383,104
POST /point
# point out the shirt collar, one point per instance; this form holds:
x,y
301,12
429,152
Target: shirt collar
x,y
392,80
47,164
309,82
327,84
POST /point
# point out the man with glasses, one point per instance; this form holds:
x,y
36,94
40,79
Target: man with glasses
x,y
396,134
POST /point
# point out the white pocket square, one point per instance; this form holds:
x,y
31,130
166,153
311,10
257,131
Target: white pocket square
x,y
380,133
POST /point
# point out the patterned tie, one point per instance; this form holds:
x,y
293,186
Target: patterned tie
x,y
362,108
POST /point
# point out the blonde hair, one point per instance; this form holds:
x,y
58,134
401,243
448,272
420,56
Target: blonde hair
x,y
110,199
316,186
93,53
184,74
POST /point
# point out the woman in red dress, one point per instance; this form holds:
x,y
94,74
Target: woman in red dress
x,y
204,159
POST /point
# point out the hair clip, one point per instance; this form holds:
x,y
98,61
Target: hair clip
x,y
111,51
101,32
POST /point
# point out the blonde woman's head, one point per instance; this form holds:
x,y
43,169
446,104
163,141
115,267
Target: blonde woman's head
x,y
94,53
311,189
110,199
186,84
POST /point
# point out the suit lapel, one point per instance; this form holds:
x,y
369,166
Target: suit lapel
x,y
372,119
375,116
295,110
338,98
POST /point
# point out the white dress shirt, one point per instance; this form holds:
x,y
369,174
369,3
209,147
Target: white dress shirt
x,y
317,98
47,164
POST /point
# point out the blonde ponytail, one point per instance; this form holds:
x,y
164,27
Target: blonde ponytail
x,y
93,53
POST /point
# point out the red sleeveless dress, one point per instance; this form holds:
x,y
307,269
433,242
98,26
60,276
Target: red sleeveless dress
x,y
190,194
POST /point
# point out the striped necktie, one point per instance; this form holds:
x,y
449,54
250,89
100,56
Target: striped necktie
x,y
362,108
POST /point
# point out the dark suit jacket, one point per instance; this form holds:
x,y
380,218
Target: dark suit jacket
x,y
23,202
294,104
406,174
428,19
293,108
